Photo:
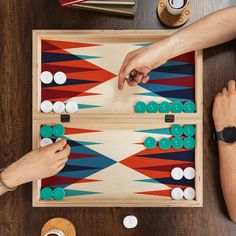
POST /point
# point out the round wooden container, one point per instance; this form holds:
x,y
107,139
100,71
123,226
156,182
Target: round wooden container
x,y
173,21
61,224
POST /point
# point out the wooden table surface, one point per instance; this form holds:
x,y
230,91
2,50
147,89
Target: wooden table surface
x,y
17,217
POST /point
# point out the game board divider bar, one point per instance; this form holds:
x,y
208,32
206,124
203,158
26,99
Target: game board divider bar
x,y
130,118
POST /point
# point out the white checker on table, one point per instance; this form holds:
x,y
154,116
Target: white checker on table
x,y
46,106
59,107
189,173
177,193
45,142
71,107
46,77
177,173
130,222
60,78
189,193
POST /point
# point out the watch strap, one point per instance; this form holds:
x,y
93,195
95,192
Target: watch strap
x,y
220,136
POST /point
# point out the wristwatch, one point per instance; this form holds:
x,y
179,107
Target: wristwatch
x,y
227,135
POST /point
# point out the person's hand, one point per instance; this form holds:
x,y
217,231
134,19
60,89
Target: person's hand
x,y
38,164
224,108
143,60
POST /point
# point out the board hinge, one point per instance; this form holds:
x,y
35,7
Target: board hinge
x,y
169,118
65,118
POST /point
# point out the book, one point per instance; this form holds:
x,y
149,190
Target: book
x,y
114,2
126,10
69,2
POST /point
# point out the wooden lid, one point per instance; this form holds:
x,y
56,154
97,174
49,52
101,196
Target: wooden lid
x,y
61,224
172,21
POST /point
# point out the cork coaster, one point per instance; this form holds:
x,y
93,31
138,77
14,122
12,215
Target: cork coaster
x,y
60,224
170,20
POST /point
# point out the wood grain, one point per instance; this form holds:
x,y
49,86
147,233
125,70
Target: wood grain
x,y
17,217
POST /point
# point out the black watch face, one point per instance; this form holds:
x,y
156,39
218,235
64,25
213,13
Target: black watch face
x,y
229,134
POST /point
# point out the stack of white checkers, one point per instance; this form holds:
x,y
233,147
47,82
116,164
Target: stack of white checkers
x,y
47,141
46,77
177,174
59,107
60,78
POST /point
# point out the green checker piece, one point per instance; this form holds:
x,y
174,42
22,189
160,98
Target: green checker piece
x,y
58,193
189,143
150,143
46,194
46,131
58,130
164,143
189,107
177,143
140,107
177,107
165,107
152,107
189,130
177,130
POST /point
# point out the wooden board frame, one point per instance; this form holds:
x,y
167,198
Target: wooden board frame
x,y
123,119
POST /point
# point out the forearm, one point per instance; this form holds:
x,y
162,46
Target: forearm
x,y
211,30
227,158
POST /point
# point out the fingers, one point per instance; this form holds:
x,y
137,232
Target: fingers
x,y
138,78
121,77
60,167
124,72
230,89
145,79
224,91
61,162
231,86
65,152
57,146
132,83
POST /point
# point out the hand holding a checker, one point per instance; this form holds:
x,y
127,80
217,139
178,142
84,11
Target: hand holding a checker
x,y
38,164
143,60
138,63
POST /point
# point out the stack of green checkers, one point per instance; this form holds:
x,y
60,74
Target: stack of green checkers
x,y
177,141
57,131
188,131
165,107
48,194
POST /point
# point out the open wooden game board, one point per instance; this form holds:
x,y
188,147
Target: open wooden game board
x,y
109,164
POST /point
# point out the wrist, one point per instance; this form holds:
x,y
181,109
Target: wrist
x,y
9,178
163,50
220,127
